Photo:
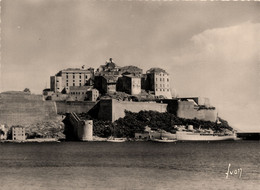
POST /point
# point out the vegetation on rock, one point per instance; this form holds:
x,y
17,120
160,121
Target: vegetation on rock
x,y
136,122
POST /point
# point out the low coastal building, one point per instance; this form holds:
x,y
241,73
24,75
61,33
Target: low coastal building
x,y
18,133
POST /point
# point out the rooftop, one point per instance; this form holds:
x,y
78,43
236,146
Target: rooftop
x,y
156,70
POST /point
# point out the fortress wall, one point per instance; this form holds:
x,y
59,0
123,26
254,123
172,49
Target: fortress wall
x,y
23,109
119,107
186,110
81,129
105,110
75,106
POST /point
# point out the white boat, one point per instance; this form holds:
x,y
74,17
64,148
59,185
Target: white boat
x,y
165,140
113,139
192,136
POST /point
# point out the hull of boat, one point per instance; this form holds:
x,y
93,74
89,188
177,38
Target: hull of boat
x,y
164,141
189,136
116,140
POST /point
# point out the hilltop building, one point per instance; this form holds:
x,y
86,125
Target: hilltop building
x,y
79,93
71,77
110,68
105,84
129,84
157,80
130,70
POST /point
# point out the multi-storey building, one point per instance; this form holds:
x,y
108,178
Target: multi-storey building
x,y
18,133
110,68
130,84
105,84
131,70
158,81
79,93
71,77
92,95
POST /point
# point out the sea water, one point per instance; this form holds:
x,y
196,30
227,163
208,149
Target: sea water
x,y
130,165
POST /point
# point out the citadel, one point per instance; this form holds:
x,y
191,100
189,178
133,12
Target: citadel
x,y
111,89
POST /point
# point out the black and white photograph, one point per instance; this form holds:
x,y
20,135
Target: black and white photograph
x,y
129,94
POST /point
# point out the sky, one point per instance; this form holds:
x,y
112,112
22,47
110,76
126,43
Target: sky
x,y
210,49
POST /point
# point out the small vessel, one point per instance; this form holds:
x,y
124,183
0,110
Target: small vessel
x,y
113,139
165,140
164,137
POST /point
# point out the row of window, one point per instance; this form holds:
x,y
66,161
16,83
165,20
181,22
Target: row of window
x,y
162,89
162,79
67,76
162,85
161,74
78,93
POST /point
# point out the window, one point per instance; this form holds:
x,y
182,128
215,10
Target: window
x,y
79,84
86,76
80,76
67,84
167,79
67,76
73,84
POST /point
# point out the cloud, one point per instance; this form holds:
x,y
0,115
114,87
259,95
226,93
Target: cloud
x,y
223,64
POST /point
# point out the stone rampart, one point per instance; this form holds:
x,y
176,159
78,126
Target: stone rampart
x,y
74,106
22,109
113,109
81,129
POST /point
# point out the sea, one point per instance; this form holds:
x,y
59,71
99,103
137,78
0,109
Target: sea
x,y
130,165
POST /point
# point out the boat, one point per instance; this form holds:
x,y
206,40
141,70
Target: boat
x,y
163,137
164,140
113,139
197,136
